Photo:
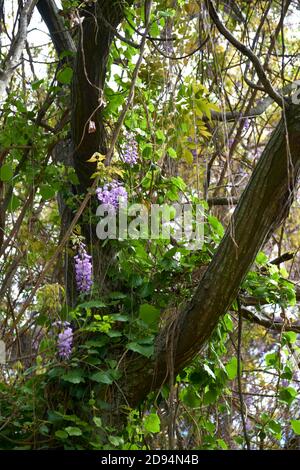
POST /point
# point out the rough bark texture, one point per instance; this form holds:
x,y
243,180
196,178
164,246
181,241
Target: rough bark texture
x,y
95,36
263,205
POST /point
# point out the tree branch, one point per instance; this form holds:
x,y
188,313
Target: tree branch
x,y
267,322
16,48
61,38
88,83
257,110
245,51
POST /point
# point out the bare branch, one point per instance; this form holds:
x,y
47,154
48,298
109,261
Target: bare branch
x,y
266,322
61,38
268,87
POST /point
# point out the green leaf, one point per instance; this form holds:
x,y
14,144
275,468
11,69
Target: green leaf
x,y
149,314
178,182
92,304
216,225
188,156
290,336
273,360
231,368
35,85
61,434
261,258
6,172
97,421
65,75
190,397
43,429
210,397
119,317
287,395
172,152
116,440
117,295
147,151
143,350
209,371
73,431
160,135
47,191
154,30
102,377
222,444
14,203
296,426
73,376
274,427
228,322
152,423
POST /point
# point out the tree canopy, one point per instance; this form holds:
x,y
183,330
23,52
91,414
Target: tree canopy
x,y
156,114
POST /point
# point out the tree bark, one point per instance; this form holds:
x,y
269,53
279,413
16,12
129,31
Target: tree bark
x,y
89,76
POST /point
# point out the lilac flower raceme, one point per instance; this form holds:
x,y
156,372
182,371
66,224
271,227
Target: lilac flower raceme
x,y
131,152
246,124
83,270
112,194
64,343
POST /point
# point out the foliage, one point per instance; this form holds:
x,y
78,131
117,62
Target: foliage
x,y
183,155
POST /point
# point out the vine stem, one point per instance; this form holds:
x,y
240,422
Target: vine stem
x,y
240,327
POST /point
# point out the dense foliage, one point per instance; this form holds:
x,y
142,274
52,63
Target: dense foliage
x,y
182,116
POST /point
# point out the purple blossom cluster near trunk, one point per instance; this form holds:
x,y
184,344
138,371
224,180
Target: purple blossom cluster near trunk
x,y
111,194
65,341
131,152
83,270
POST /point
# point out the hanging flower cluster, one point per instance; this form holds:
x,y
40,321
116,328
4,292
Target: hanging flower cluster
x,y
65,341
83,269
112,194
131,152
64,338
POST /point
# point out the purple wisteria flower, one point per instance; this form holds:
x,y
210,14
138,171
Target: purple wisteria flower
x,y
83,269
112,194
131,152
246,123
64,343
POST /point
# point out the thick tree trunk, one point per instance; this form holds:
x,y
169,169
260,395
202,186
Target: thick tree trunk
x,y
262,207
95,36
87,92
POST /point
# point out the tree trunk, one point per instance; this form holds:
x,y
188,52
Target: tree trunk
x,y
88,82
